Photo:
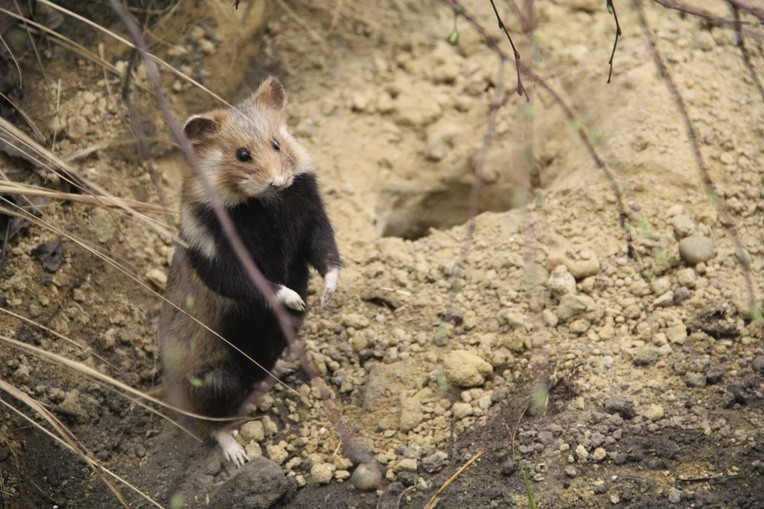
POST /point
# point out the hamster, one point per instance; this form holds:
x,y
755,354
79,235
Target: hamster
x,y
266,182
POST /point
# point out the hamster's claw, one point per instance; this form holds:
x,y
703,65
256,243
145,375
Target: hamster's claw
x,y
330,285
290,298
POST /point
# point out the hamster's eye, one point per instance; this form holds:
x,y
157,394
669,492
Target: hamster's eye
x,y
275,144
243,155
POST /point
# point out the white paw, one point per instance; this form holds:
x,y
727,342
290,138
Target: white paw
x,y
330,285
232,450
290,298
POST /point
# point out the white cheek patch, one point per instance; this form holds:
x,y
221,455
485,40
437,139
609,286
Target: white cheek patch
x,y
196,234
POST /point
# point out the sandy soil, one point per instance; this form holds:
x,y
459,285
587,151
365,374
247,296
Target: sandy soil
x,y
653,366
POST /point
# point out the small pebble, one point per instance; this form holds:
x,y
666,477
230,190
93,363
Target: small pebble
x,y
322,473
366,477
696,249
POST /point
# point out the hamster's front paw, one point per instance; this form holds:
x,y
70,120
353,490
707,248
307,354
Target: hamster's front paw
x,y
232,450
330,285
290,298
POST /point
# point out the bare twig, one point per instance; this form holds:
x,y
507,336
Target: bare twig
x,y
611,8
743,50
757,12
520,89
708,183
710,17
234,239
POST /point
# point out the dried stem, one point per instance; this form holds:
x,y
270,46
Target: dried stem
x,y
477,185
708,183
743,50
232,236
434,499
611,8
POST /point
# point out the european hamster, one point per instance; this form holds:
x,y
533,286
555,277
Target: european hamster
x,y
266,182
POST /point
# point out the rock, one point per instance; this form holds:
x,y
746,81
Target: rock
x,y
714,375
366,477
256,485
599,454
461,409
252,430
581,453
571,306
620,405
695,380
652,412
72,406
561,282
355,320
585,266
550,318
677,333
157,277
21,375
435,462
579,326
103,225
683,226
508,468
665,300
77,127
570,471
406,465
696,249
646,356
269,427
687,277
758,364
465,369
674,496
411,414
322,473
277,452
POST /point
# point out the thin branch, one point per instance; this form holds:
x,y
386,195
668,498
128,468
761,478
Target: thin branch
x,y
757,12
611,8
710,17
724,214
743,50
520,89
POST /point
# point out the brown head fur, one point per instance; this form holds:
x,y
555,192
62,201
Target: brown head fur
x,y
245,151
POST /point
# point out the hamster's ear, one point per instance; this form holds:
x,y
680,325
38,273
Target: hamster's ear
x,y
270,94
199,127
